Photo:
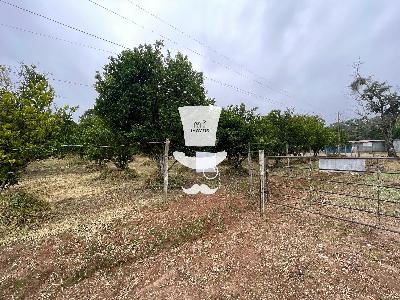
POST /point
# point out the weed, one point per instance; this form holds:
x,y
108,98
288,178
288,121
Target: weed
x,y
156,183
19,283
21,209
115,175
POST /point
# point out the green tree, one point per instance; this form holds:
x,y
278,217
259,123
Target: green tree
x,y
95,137
378,99
360,128
317,135
140,91
30,126
236,129
299,133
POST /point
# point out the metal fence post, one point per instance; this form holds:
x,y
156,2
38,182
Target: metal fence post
x,y
262,180
378,191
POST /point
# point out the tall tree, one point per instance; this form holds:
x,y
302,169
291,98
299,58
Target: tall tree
x,y
140,92
378,99
236,129
360,128
30,126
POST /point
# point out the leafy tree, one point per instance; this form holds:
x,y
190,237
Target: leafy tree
x,y
299,133
318,136
378,99
140,91
29,126
95,137
236,129
360,129
274,133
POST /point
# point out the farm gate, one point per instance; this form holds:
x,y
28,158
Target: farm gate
x,y
368,197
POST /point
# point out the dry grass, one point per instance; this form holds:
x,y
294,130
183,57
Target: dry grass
x,y
113,236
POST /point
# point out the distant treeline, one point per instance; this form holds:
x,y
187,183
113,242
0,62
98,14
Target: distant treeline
x,y
364,129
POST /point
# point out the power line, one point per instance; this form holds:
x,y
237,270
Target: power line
x,y
223,84
55,38
70,82
125,47
63,24
177,43
49,76
235,88
195,52
189,36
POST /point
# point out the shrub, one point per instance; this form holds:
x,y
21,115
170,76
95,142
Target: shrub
x,y
20,209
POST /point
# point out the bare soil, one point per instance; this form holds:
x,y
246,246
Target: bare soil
x,y
113,237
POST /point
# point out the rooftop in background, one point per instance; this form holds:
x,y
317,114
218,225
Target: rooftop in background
x,y
366,141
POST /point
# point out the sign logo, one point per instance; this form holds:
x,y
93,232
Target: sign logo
x,y
200,125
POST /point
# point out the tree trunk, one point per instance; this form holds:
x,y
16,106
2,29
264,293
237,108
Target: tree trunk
x,y
388,133
389,146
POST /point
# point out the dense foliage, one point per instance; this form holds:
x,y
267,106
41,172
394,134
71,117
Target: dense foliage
x,y
277,132
30,127
237,129
140,91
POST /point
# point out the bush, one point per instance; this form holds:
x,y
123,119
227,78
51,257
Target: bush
x,y
22,209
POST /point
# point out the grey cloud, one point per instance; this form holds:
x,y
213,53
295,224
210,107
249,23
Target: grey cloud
x,y
303,48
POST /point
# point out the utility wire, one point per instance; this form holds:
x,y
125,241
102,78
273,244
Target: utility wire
x,y
223,84
229,68
205,45
55,38
63,24
71,82
125,47
167,38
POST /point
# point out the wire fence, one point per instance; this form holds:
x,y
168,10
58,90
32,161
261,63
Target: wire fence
x,y
368,197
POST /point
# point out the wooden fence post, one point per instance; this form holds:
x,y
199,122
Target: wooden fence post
x,y
250,170
310,178
266,178
262,180
165,162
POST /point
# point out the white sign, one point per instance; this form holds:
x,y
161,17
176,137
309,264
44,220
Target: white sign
x,y
337,164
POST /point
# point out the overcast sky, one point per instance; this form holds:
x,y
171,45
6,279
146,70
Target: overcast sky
x,y
296,54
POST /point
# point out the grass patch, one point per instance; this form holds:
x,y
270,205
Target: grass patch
x,y
19,283
118,175
174,182
21,209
